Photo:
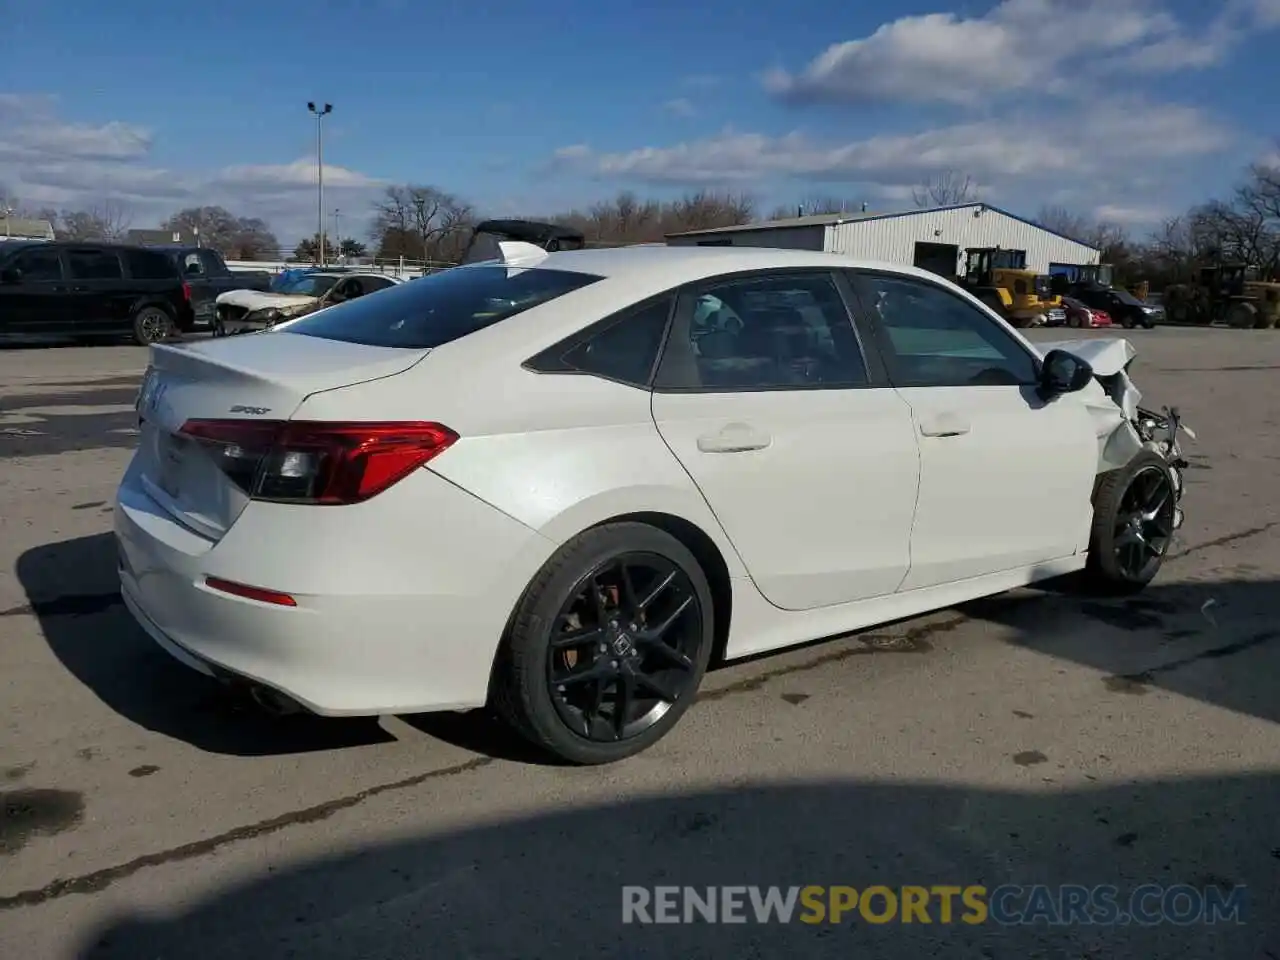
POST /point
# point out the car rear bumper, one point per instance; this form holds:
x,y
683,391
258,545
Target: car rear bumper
x,y
387,620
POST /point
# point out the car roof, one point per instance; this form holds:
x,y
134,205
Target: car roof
x,y
680,264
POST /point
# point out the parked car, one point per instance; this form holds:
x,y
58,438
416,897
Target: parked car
x,y
1078,315
562,489
1122,306
56,290
240,311
209,276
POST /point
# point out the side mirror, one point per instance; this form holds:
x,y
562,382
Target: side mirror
x,y
11,275
1063,372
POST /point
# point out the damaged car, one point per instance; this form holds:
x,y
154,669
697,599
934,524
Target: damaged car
x,y
242,311
565,483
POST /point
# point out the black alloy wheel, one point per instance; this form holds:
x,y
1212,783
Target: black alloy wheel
x,y
608,646
1134,516
151,325
623,647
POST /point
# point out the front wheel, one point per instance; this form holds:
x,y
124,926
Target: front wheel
x,y
151,325
1134,516
608,646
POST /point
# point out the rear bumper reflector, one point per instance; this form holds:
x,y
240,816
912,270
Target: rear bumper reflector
x,y
250,593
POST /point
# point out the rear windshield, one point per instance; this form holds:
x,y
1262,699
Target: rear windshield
x,y
308,285
445,306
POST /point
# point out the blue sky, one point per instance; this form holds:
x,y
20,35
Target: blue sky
x,y
1126,109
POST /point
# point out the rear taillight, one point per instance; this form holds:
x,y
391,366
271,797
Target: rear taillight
x,y
186,291
318,463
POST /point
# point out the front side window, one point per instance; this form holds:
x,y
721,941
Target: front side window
x,y
38,266
934,338
432,311
191,265
210,262
765,333
94,265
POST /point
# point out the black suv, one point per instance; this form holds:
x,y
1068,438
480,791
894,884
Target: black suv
x,y
1125,309
61,290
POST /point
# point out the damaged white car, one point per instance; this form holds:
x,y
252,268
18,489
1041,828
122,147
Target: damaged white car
x,y
241,311
563,483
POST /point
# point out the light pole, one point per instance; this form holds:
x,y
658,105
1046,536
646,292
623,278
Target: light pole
x,y
337,231
320,114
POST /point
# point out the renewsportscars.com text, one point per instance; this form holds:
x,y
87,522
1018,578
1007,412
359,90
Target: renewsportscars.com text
x,y
1010,904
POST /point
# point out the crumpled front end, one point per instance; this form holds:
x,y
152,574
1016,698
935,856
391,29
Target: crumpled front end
x,y
1125,427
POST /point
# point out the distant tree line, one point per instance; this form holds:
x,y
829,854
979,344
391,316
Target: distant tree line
x,y
424,223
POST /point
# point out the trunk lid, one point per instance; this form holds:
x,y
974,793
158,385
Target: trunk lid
x,y
258,377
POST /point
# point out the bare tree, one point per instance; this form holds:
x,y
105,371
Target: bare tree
x,y
417,222
1099,234
946,189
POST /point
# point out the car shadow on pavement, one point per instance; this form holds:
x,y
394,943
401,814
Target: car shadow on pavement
x,y
552,885
1217,642
72,588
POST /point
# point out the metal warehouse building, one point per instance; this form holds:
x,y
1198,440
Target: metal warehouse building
x,y
934,239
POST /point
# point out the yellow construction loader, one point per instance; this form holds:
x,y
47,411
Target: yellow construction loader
x,y
1001,280
1228,293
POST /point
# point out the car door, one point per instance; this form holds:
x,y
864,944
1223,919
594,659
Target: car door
x,y
101,299
1006,479
39,303
789,429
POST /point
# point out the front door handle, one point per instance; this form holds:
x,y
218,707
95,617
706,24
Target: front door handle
x,y
734,438
946,424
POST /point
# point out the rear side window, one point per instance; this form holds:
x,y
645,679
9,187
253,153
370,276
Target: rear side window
x,y
446,306
94,265
627,349
147,265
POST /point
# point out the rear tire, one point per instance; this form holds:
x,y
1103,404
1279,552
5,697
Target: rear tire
x,y
555,691
151,324
1133,516
1242,316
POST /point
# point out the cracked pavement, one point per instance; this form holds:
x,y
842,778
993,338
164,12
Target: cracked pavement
x,y
1037,737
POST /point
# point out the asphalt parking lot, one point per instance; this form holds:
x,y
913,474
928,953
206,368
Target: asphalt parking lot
x,y
1039,737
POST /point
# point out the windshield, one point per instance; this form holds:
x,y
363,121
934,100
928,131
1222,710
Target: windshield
x,y
1124,296
311,286
435,310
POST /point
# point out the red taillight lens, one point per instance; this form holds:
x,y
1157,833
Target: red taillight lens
x,y
318,463
186,291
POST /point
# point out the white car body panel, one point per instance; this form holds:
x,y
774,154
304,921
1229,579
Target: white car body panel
x,y
403,599
1107,355
822,513
987,505
260,300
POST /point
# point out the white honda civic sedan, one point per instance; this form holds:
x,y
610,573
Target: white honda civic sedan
x,y
562,486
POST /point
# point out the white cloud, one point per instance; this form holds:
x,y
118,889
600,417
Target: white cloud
x,y
1019,47
300,173
1116,140
680,107
1145,215
48,161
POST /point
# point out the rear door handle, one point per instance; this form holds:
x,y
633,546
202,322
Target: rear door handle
x,y
945,424
734,438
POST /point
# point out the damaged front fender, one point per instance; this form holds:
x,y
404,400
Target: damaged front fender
x,y
1124,427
